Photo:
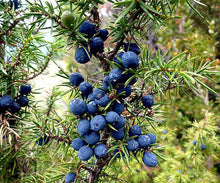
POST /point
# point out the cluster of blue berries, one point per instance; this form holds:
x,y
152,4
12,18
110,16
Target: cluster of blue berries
x,y
103,109
14,106
96,42
203,146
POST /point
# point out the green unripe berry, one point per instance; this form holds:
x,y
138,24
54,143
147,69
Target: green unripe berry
x,y
67,19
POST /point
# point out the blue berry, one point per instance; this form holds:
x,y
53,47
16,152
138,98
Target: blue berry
x,y
77,143
150,159
98,123
82,55
106,83
134,130
164,131
132,145
152,137
15,107
144,141
96,45
70,177
128,76
23,101
115,76
96,92
119,134
90,96
180,171
130,60
6,101
87,28
85,153
78,107
118,107
119,56
121,123
83,127
92,107
42,140
76,79
124,91
119,153
203,146
25,89
112,117
85,87
132,47
14,4
102,100
92,138
102,33
194,142
148,101
100,150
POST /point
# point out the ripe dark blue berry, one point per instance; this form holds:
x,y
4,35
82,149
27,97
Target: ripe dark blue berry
x,y
148,101
118,58
96,45
102,100
42,140
83,127
152,137
14,4
15,107
132,47
100,150
78,107
130,60
134,130
96,92
119,153
87,28
23,101
112,117
6,101
85,153
85,87
82,55
124,91
102,33
180,171
144,141
77,143
106,83
121,123
150,159
25,89
70,177
203,146
132,145
76,79
115,76
119,134
92,107
98,123
118,107
194,142
128,76
92,138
